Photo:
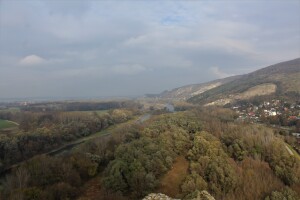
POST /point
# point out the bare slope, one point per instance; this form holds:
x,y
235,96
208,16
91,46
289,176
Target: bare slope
x,y
259,90
283,77
189,91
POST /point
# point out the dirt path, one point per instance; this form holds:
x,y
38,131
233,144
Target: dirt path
x,y
170,183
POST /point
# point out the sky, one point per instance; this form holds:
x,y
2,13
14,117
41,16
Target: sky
x,y
64,48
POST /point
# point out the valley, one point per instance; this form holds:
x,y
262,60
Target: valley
x,y
149,100
215,139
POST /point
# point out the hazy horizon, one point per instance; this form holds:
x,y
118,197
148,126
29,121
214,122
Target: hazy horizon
x,y
94,49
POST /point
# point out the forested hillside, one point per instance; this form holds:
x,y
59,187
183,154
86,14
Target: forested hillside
x,y
42,132
228,159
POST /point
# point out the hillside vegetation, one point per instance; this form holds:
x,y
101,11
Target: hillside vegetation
x,y
230,160
284,75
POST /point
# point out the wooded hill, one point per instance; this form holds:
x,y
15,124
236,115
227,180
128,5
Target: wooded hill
x,y
230,160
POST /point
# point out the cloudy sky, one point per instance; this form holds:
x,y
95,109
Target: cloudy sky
x,y
121,48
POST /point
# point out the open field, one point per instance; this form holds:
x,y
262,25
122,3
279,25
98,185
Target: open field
x,y
7,124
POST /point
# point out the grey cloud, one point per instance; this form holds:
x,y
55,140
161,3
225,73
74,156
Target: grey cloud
x,y
94,48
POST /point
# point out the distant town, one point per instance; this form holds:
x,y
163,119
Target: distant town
x,y
276,113
287,111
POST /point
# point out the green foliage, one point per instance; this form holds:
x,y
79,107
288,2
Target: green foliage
x,y
84,166
43,132
32,193
230,160
115,178
192,183
46,177
210,161
140,162
137,166
61,191
236,150
285,166
285,194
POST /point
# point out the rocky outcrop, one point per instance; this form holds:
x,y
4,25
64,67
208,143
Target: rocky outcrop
x,y
158,196
203,195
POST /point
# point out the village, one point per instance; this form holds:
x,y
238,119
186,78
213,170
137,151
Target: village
x,y
276,113
257,113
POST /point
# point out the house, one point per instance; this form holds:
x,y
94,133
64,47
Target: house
x,y
292,117
169,107
251,113
272,112
297,135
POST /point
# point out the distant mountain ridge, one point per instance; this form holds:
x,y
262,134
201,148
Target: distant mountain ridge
x,y
282,79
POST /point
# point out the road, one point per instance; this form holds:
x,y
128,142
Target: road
x,y
289,150
67,147
143,118
104,133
